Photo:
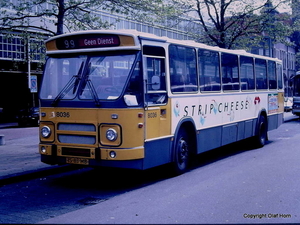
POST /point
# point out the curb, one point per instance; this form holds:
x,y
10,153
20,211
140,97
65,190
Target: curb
x,y
32,174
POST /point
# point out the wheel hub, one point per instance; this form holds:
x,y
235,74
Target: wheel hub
x,y
183,151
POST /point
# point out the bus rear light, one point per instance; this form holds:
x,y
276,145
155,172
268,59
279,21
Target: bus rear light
x,y
140,115
140,125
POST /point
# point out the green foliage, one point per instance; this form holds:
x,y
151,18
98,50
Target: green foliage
x,y
224,23
58,16
236,24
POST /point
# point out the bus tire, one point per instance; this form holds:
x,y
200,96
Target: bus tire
x,y
262,132
181,153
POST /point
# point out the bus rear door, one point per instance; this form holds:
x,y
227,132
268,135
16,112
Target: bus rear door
x,y
157,110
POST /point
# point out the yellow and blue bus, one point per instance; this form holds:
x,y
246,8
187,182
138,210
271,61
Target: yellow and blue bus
x,y
129,99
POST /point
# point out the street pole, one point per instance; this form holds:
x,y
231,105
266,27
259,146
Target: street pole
x,y
29,69
28,62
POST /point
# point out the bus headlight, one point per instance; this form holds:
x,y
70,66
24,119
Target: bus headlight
x,y
111,134
45,132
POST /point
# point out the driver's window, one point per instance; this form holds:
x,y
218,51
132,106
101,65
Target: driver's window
x,y
156,74
156,80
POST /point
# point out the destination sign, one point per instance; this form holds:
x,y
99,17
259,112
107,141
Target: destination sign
x,y
87,41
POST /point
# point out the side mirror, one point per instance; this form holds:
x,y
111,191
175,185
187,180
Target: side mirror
x,y
155,83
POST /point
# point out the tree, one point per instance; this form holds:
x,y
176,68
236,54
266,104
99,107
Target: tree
x,y
56,16
235,23
296,33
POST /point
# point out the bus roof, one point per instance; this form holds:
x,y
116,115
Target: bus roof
x,y
130,40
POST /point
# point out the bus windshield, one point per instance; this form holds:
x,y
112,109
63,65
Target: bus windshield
x,y
88,77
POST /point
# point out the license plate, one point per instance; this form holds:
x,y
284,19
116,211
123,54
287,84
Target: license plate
x,y
77,161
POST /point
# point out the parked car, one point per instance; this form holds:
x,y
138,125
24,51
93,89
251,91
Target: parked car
x,y
1,112
288,103
29,117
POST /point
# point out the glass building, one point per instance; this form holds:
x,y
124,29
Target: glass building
x,y
22,56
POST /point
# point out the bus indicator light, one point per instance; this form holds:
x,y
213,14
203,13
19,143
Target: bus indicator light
x,y
114,116
112,154
140,115
43,149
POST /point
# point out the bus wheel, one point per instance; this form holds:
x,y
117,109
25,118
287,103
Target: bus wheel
x,y
262,132
181,153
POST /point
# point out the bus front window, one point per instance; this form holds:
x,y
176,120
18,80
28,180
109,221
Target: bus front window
x,y
107,76
61,77
98,77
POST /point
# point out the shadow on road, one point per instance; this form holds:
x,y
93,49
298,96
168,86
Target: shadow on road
x,y
121,180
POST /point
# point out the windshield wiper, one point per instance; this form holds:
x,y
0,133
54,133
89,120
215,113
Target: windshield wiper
x,y
93,91
73,83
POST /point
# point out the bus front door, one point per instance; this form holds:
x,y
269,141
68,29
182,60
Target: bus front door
x,y
157,109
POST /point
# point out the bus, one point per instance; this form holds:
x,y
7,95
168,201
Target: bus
x,y
296,94
127,99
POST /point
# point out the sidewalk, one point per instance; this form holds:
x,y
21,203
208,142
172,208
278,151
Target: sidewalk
x,y
20,156
19,153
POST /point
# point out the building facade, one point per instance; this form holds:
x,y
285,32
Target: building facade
x,y
286,53
22,59
21,64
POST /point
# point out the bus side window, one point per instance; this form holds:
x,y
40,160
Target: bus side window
x,y
183,69
209,70
261,74
156,81
230,74
279,75
272,75
247,73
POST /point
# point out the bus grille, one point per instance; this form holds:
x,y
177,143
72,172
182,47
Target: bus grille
x,y
67,133
76,127
76,139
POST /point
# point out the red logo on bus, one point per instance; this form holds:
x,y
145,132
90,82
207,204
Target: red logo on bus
x,y
256,100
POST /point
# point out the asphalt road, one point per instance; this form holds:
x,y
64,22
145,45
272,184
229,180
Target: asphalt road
x,y
239,186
